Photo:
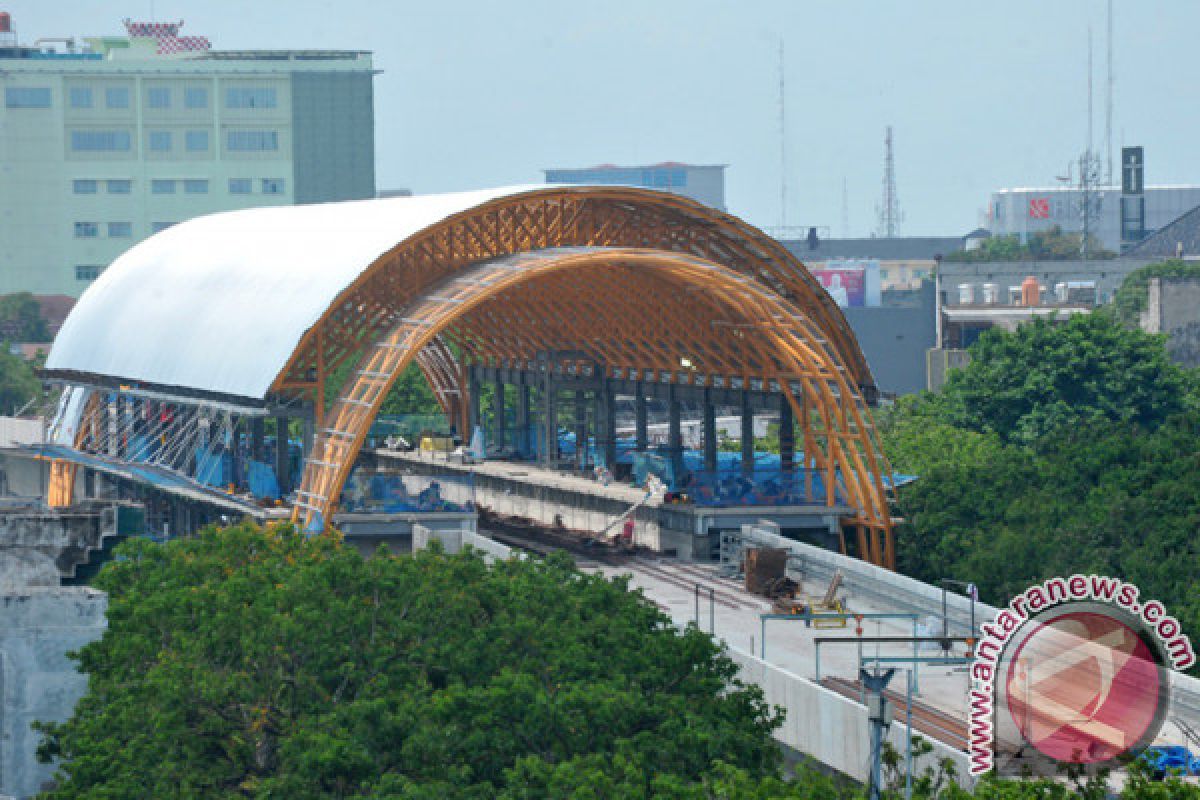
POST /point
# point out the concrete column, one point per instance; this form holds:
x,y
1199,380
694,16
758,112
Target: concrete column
x,y
256,438
639,405
674,431
747,434
549,454
282,471
581,429
787,436
472,407
710,433
498,414
521,437
606,423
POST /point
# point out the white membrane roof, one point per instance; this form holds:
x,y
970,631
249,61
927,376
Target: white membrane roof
x,y
219,303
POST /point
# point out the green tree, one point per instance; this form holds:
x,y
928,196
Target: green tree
x,y
260,663
1130,299
1051,373
18,383
1052,244
21,319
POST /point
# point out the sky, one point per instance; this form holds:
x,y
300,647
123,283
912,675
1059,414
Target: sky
x,y
980,96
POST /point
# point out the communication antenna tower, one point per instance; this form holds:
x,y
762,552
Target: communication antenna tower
x,y
889,210
782,145
1108,104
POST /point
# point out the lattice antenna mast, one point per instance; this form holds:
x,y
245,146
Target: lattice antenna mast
x,y
889,209
782,144
1108,104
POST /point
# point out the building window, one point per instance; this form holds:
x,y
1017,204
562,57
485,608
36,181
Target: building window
x,y
272,185
81,97
120,230
119,186
196,141
240,186
100,140
195,97
87,273
86,230
116,97
252,141
160,141
84,187
162,187
27,97
160,226
250,97
195,187
158,97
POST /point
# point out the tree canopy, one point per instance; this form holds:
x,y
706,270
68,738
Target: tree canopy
x,y
1052,244
18,383
1130,299
259,663
21,319
1062,448
1051,374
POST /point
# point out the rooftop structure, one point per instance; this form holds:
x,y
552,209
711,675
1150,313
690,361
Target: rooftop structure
x,y
108,140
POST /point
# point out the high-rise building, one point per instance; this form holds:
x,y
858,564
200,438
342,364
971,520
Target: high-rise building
x,y
705,183
106,141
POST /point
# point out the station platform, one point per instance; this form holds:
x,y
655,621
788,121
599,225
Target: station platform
x,y
587,506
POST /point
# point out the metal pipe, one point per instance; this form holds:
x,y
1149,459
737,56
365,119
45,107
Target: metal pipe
x,y
908,758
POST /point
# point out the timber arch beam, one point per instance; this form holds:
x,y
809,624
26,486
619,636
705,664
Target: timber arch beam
x,y
629,309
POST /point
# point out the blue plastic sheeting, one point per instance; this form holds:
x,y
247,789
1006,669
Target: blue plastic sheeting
x,y
261,480
1172,759
390,494
213,469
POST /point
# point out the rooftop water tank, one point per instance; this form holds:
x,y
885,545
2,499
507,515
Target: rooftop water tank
x,y
1030,292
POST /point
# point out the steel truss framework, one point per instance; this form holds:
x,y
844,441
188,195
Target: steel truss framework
x,y
631,310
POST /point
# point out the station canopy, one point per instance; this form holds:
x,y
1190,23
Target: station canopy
x,y
263,305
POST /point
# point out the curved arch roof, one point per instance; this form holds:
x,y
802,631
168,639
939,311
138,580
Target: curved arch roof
x,y
218,303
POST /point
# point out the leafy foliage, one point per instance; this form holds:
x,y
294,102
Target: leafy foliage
x,y
1051,374
1130,299
21,319
18,383
1052,244
263,664
1060,449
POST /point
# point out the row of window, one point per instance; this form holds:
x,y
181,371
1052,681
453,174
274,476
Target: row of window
x,y
169,186
88,186
118,97
239,141
115,230
91,230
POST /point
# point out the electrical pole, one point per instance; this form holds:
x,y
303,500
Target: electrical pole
x,y
1108,105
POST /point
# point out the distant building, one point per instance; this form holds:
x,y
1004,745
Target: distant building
x,y
903,262
704,183
1026,211
1180,239
106,141
1173,308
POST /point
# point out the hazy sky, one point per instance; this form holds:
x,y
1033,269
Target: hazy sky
x,y
980,95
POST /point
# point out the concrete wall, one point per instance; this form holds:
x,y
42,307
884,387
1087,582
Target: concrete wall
x,y
1173,308
57,540
333,133
38,627
19,430
828,727
894,340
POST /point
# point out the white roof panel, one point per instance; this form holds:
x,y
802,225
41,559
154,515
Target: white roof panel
x,y
220,302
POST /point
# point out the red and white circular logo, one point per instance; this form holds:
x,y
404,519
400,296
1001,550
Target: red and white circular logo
x,y
1083,686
